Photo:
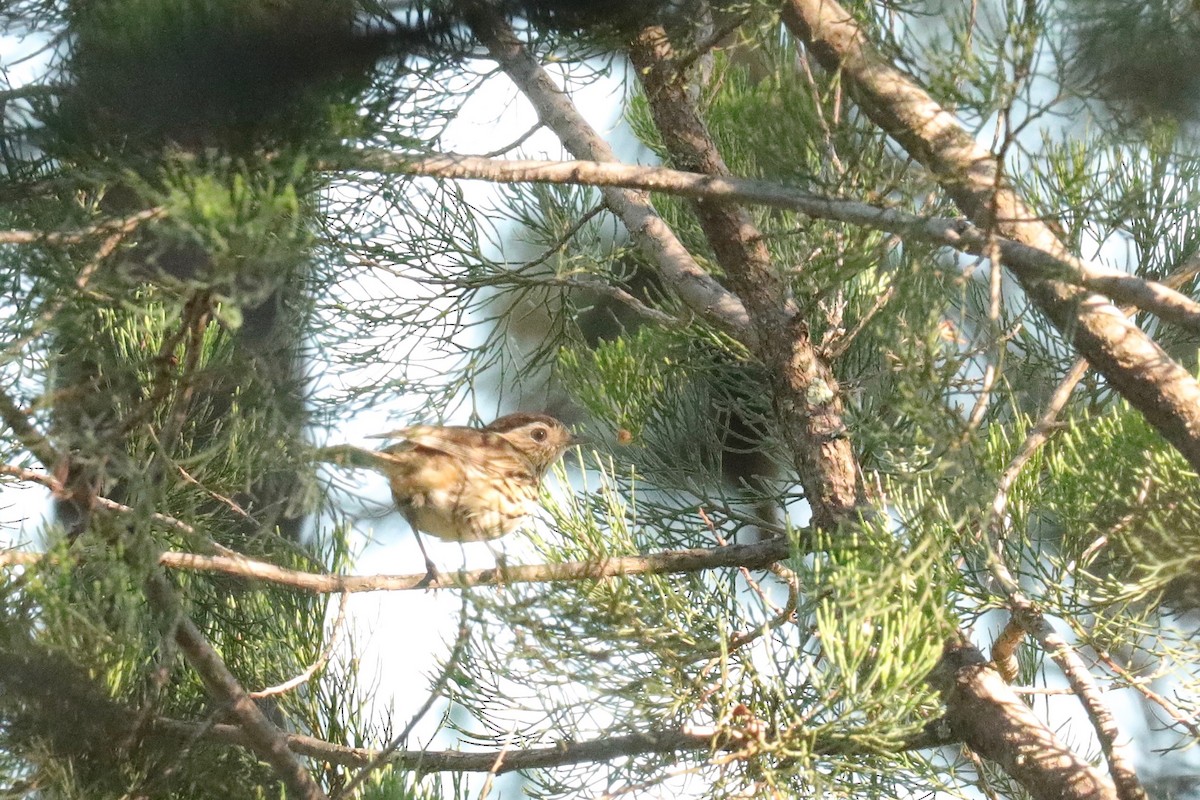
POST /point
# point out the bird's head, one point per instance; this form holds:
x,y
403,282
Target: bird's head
x,y
539,437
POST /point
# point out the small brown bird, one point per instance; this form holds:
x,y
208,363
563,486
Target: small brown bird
x,y
466,484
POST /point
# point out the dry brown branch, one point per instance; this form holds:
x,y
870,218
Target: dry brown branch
x,y
15,418
1134,365
557,755
985,713
121,226
804,392
1004,650
1115,745
1023,260
259,734
760,555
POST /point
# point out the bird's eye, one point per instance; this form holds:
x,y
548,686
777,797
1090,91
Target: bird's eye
x,y
538,434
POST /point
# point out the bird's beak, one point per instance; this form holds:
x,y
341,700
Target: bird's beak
x,y
577,440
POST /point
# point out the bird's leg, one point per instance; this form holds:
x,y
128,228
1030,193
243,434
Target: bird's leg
x,y
431,572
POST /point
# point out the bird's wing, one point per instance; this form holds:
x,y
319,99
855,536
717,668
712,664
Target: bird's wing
x,y
500,457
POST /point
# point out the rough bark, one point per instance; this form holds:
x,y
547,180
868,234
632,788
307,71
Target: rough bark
x,y
805,394
984,713
1133,364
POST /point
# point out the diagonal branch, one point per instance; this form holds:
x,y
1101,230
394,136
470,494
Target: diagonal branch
x,y
35,442
804,392
1133,364
260,735
700,292
986,714
1166,394
1028,619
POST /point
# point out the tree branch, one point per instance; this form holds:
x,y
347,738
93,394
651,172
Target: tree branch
x,y
804,391
759,555
259,734
1134,365
33,440
266,740
987,715
1023,260
557,755
123,226
1029,619
700,292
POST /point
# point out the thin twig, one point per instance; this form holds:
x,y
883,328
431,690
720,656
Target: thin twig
x,y
122,226
684,62
566,237
319,664
1190,723
81,280
56,487
840,344
1046,425
495,770
435,692
515,143
1116,749
596,284
228,502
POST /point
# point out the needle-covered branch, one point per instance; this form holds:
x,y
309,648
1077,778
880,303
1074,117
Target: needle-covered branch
x,y
261,735
804,392
699,290
1023,260
1134,365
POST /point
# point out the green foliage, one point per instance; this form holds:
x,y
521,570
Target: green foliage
x,y
694,430
835,669
1131,538
250,226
